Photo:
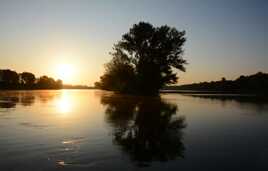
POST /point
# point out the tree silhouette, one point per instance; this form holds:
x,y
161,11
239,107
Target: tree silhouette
x,y
27,79
145,128
12,80
147,55
9,78
119,75
45,82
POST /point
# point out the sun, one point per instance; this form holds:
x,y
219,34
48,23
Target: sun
x,y
65,72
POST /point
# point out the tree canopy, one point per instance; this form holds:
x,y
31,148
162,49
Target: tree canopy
x,y
27,78
144,60
12,80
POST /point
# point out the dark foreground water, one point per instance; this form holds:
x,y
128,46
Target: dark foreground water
x,y
97,130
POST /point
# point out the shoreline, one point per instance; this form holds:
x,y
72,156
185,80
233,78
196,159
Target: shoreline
x,y
204,92
193,92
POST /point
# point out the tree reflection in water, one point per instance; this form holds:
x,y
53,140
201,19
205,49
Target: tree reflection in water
x,y
9,99
146,128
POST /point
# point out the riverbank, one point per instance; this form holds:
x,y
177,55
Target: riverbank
x,y
226,93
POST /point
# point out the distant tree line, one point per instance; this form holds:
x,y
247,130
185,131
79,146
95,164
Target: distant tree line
x,y
12,80
256,83
144,60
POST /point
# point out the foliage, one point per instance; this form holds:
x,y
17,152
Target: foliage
x,y
45,82
144,60
9,78
27,79
12,80
119,76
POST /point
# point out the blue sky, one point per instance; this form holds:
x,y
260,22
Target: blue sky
x,y
225,38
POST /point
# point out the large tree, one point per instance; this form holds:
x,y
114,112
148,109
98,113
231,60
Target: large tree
x,y
150,55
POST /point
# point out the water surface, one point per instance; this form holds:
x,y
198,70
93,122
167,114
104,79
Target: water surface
x,y
99,130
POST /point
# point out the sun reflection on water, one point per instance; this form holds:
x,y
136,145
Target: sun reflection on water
x,y
64,104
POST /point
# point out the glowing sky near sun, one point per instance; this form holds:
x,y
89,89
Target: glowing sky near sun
x,y
225,38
